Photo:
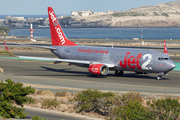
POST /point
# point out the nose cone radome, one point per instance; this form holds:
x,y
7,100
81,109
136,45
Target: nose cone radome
x,y
171,66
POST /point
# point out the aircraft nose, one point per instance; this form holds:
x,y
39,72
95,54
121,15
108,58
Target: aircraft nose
x,y
171,66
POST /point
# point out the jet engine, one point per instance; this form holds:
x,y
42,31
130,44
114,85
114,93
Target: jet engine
x,y
98,69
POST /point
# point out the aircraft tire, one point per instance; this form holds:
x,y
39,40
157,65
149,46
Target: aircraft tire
x,y
116,73
119,73
91,75
159,78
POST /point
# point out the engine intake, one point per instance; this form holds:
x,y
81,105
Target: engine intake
x,y
98,69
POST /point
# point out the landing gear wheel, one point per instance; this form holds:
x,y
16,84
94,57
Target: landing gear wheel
x,y
159,77
119,73
92,75
116,73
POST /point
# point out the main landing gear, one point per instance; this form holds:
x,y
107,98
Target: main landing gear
x,y
92,75
119,73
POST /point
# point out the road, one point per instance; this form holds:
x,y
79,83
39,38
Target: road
x,y
50,115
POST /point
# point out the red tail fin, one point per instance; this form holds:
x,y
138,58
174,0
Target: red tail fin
x,y
57,35
165,48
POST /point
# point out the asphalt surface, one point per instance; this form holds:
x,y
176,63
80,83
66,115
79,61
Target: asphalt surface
x,y
49,115
46,73
62,75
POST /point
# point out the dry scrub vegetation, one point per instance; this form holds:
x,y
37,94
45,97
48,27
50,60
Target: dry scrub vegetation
x,y
89,102
108,105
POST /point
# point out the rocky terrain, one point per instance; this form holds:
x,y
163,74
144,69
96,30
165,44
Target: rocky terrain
x,y
162,15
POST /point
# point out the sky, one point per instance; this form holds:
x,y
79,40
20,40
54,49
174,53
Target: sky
x,y
39,7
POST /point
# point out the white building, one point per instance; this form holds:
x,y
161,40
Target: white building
x,y
81,13
88,12
13,19
74,13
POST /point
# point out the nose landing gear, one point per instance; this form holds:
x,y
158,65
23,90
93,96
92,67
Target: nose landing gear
x,y
159,77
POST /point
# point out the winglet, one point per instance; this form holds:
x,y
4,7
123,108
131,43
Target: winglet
x,y
7,49
57,35
165,48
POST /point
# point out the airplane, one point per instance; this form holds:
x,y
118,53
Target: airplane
x,y
100,60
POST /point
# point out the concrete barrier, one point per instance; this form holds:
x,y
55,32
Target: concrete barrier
x,y
177,66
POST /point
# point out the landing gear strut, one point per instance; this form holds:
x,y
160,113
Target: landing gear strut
x,y
119,73
159,77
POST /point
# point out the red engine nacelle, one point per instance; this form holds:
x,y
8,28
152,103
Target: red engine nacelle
x,y
98,69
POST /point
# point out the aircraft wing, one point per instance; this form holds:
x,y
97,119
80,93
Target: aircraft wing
x,y
38,46
45,47
58,60
65,60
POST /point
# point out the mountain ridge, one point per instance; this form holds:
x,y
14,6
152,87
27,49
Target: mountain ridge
x,y
161,15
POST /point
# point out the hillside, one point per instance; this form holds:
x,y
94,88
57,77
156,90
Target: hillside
x,y
162,15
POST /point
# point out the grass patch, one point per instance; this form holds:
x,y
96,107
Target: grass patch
x,y
6,53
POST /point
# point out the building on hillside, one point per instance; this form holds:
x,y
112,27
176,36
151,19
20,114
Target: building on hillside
x,y
74,13
81,13
88,12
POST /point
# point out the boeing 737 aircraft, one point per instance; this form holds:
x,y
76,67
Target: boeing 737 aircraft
x,y
100,60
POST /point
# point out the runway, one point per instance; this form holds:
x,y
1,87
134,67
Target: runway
x,y
62,75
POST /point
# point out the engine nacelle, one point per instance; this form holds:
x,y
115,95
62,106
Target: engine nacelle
x,y
98,69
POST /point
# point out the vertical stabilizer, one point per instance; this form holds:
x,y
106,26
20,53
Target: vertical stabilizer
x,y
57,35
165,48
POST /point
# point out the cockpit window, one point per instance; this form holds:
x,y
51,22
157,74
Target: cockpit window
x,y
160,59
166,58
